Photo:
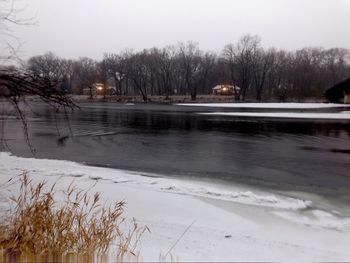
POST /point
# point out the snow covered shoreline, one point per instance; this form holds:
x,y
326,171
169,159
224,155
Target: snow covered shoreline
x,y
229,224
287,105
285,115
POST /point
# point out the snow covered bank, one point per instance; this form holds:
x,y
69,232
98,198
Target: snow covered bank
x,y
268,105
287,115
229,223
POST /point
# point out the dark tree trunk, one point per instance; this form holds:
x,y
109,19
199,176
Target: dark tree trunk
x,y
91,97
194,94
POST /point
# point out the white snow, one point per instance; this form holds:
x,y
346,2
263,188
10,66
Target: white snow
x,y
230,223
290,105
316,218
288,115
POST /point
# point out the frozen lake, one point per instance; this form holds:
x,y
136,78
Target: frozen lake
x,y
296,155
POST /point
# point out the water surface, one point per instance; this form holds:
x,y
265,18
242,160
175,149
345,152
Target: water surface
x,y
281,154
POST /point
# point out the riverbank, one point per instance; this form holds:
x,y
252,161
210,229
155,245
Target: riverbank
x,y
211,98
218,223
155,99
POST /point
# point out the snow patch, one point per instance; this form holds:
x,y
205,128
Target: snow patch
x,y
287,115
242,197
317,218
268,105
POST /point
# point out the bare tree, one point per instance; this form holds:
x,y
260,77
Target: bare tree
x,y
48,66
261,67
245,51
206,80
277,81
139,73
229,56
335,64
164,60
86,74
190,58
10,17
16,84
67,67
116,68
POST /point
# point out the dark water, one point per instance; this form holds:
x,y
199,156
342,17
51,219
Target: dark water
x,y
301,155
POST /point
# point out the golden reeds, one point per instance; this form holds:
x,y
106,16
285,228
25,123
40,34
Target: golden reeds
x,y
75,229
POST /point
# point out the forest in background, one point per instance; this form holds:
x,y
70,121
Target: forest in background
x,y
184,69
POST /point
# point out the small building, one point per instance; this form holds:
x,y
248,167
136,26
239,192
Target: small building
x,y
99,89
339,93
229,90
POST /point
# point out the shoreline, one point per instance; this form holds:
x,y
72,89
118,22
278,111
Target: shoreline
x,y
203,98
223,230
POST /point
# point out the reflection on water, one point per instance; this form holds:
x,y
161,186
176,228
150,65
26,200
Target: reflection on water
x,y
173,140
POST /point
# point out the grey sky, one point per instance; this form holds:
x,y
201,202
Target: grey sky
x,y
73,28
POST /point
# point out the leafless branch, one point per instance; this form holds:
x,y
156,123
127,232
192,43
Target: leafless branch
x,y
16,84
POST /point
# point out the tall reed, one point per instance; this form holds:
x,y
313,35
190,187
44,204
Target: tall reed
x,y
77,226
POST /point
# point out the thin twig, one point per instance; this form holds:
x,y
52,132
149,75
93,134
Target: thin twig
x,y
177,241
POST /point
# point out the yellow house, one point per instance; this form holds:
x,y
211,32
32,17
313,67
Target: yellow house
x,y
99,89
225,89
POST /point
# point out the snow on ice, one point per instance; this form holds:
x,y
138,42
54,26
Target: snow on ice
x,y
229,223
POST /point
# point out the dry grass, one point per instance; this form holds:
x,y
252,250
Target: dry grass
x,y
78,228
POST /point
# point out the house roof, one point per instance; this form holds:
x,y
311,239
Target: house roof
x,y
337,92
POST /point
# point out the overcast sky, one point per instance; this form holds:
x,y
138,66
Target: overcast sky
x,y
73,28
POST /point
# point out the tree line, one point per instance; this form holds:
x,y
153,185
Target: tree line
x,y
184,69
